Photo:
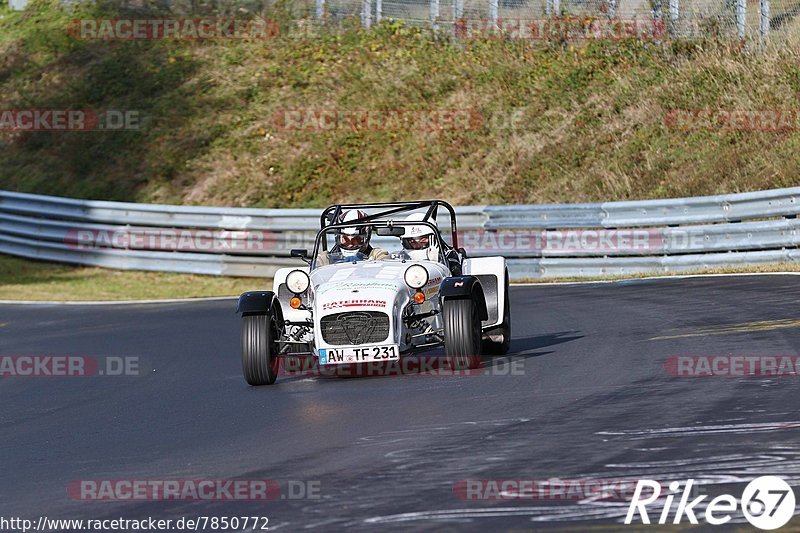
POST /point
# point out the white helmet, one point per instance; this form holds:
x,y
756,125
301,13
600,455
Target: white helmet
x,y
419,241
356,238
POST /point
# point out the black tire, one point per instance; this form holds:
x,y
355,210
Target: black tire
x,y
260,363
462,333
504,329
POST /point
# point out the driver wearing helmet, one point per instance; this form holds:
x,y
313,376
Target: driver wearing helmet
x,y
419,241
352,244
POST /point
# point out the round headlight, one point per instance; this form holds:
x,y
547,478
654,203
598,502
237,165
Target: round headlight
x,y
297,281
416,276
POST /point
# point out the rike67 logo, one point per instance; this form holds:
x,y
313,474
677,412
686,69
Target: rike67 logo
x,y
767,503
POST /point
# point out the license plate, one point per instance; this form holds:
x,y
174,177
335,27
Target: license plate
x,y
358,354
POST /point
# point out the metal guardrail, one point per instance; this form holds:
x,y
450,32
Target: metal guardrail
x,y
649,213
186,262
570,240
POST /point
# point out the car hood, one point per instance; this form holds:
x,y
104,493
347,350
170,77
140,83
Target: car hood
x,y
360,286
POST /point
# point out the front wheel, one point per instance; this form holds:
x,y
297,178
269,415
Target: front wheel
x,y
462,333
260,348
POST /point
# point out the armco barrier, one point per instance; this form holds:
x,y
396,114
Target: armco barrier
x,y
570,240
648,213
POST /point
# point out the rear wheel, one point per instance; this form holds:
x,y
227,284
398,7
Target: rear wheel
x,y
260,362
498,340
462,333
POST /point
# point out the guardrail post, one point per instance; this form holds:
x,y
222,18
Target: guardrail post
x,y
366,13
459,25
458,9
612,8
493,8
552,8
741,18
674,15
378,11
434,14
320,11
763,19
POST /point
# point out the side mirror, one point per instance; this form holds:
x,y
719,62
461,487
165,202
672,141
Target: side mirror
x,y
301,253
394,231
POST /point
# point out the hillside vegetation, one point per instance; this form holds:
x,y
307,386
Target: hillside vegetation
x,y
549,121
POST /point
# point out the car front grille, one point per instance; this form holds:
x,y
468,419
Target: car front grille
x,y
359,327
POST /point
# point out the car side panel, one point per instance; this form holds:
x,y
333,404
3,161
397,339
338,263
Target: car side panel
x,y
491,271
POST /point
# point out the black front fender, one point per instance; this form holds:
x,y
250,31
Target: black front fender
x,y
459,287
257,302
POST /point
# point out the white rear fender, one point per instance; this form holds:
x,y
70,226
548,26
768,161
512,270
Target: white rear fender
x,y
492,273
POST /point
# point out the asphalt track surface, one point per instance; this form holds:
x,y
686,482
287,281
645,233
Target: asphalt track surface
x,y
589,398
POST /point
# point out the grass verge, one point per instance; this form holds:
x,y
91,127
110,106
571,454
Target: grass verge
x,y
21,279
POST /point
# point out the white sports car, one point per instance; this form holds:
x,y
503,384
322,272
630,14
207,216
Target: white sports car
x,y
356,302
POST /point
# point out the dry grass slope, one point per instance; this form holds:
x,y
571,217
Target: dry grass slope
x,y
589,124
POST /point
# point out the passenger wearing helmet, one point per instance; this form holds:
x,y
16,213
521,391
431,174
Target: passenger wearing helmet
x,y
420,244
352,244
419,241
